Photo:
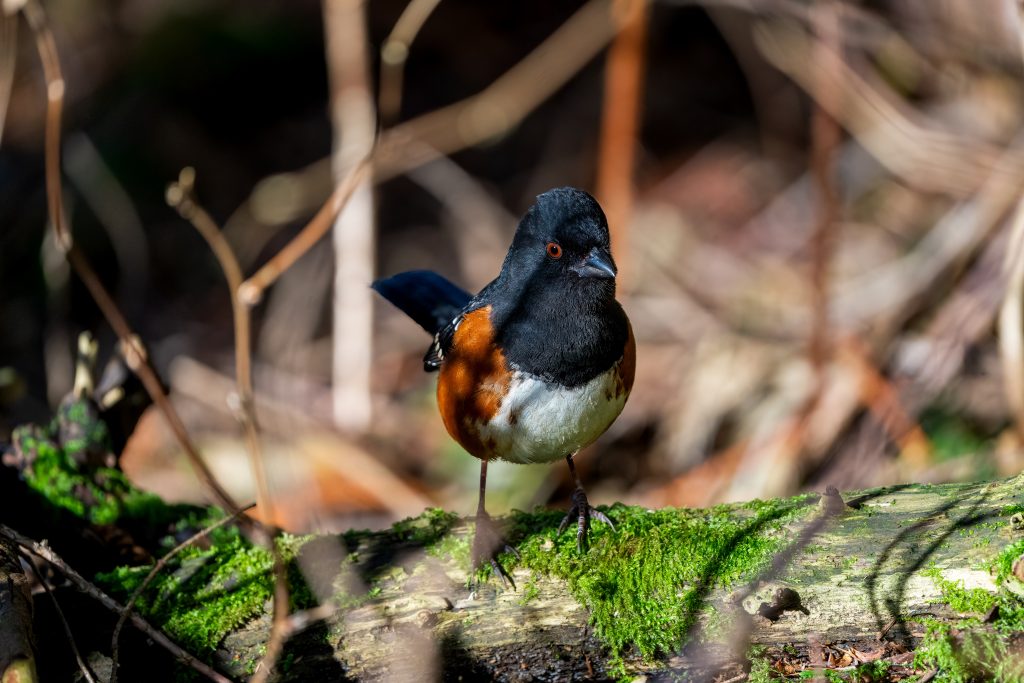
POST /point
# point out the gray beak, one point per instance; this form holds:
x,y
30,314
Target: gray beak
x,y
598,264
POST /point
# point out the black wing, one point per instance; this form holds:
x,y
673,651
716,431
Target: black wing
x,y
435,303
426,297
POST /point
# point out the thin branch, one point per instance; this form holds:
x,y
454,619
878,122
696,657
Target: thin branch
x,y
825,139
8,59
489,114
180,195
135,355
82,666
506,102
884,402
44,552
910,145
481,220
251,290
394,53
157,568
620,123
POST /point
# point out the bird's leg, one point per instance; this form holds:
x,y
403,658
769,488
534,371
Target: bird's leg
x,y
488,542
582,510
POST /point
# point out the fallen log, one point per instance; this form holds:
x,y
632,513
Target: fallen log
x,y
671,591
812,580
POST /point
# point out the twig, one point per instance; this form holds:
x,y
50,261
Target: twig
x,y
623,89
480,217
115,211
304,618
394,52
44,552
486,115
8,59
82,666
180,196
157,568
736,679
906,142
252,289
885,403
825,138
888,627
135,354
506,102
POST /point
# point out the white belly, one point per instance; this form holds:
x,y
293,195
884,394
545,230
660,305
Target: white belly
x,y
539,423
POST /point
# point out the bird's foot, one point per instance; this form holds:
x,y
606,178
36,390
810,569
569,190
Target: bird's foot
x,y
583,512
488,543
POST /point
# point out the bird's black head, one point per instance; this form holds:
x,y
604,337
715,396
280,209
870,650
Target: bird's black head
x,y
553,306
562,242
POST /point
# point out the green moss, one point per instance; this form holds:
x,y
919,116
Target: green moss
x,y
1003,565
645,583
101,495
52,473
530,592
760,670
83,431
967,652
962,600
872,672
206,593
425,529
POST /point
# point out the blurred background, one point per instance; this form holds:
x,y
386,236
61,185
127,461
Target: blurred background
x,y
813,206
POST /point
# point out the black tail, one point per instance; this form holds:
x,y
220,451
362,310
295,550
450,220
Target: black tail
x,y
426,297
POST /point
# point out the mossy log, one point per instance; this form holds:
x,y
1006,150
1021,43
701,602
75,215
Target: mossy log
x,y
871,575
826,580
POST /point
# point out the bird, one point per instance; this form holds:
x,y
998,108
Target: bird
x,y
539,363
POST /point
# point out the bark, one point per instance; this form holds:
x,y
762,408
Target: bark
x,y
17,649
858,577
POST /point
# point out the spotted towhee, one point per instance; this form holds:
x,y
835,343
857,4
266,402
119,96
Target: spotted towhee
x,y
540,362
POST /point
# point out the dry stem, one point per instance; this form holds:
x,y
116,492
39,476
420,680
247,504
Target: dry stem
x,y
44,552
135,354
157,568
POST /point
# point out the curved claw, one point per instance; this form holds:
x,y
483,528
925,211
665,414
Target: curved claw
x,y
488,543
565,520
583,511
601,517
506,578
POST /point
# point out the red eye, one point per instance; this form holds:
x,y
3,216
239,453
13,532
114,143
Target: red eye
x,y
554,250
